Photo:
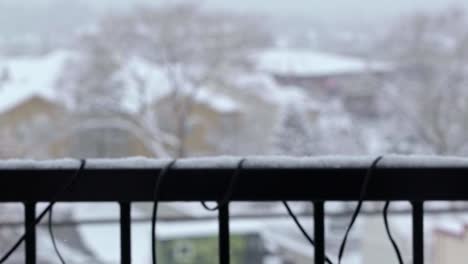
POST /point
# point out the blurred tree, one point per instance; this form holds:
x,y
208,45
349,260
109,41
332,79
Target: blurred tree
x,y
201,50
427,98
197,50
295,136
4,76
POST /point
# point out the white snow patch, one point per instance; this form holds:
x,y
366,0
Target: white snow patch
x,y
195,210
131,162
219,102
48,253
38,164
265,87
29,77
313,63
231,162
156,85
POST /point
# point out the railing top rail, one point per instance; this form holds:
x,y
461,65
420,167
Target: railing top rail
x,y
254,183
257,162
262,179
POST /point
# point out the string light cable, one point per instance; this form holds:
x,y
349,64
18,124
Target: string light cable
x,y
229,190
156,194
302,229
48,209
389,233
356,212
52,237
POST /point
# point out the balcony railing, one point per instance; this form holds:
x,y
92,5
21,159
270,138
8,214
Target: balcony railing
x,y
261,179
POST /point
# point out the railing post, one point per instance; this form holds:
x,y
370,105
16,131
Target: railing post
x,y
418,232
223,222
125,233
30,229
319,232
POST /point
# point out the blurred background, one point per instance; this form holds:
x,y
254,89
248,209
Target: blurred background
x,y
110,79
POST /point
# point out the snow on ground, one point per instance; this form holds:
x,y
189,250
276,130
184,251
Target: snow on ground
x,y
47,252
104,239
195,210
313,63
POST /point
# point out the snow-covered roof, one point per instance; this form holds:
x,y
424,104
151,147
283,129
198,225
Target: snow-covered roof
x,y
311,63
265,86
157,85
37,76
30,77
389,161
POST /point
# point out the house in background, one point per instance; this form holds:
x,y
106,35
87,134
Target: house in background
x,y
28,105
38,119
450,240
445,236
327,75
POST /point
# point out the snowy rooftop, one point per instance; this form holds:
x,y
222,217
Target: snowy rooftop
x,y
30,77
158,85
314,63
389,161
38,77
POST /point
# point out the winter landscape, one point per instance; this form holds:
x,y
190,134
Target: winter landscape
x,y
191,79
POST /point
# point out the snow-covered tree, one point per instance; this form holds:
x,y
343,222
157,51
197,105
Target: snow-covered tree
x,y
93,88
426,99
204,49
4,75
196,48
295,135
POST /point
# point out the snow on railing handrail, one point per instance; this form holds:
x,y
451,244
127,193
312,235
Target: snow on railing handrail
x,y
230,162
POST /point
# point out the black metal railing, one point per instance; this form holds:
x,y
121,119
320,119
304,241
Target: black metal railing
x,y
316,185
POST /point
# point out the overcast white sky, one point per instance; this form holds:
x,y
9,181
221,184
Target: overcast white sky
x,y
323,11
341,13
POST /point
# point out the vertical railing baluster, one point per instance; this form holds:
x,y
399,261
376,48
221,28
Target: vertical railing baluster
x,y
125,233
319,232
30,229
223,221
418,232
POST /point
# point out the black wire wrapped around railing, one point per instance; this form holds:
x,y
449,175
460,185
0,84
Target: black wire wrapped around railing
x,y
317,185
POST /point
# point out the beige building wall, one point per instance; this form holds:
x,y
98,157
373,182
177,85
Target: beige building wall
x,y
375,245
450,247
205,125
34,118
249,130
58,142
